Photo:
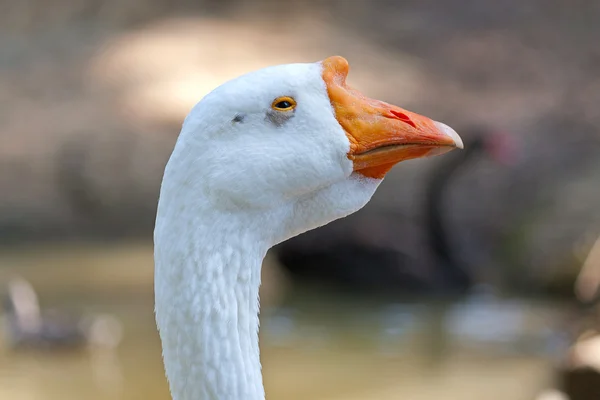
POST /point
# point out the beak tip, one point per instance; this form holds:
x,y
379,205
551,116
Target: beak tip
x,y
451,133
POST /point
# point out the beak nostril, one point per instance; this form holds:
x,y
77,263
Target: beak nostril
x,y
403,117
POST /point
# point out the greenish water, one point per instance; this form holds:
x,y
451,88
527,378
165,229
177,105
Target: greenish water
x,y
314,345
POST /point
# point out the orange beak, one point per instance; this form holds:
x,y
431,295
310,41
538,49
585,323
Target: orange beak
x,y
381,135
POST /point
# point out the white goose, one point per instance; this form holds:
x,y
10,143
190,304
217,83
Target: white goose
x,y
262,158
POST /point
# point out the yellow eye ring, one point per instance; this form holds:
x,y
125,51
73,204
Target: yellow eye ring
x,y
284,103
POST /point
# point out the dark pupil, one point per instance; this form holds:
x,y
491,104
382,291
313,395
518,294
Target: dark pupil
x,y
283,104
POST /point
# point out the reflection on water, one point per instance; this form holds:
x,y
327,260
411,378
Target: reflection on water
x,y
314,346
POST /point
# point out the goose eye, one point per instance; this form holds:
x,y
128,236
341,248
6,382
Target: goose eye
x,y
283,104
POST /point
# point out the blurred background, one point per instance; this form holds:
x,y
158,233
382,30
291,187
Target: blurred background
x,y
469,276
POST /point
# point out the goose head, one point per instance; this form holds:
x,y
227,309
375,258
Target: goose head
x,y
275,136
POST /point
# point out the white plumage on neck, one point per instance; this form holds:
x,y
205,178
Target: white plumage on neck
x,y
207,280
207,312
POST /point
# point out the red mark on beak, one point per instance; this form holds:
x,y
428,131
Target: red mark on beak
x,y
403,117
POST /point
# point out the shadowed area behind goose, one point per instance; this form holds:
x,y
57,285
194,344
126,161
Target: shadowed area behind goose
x,y
353,254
